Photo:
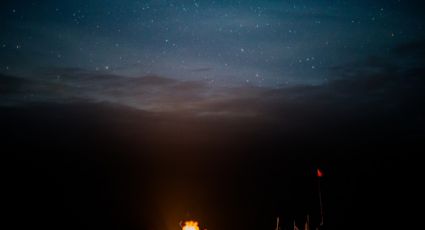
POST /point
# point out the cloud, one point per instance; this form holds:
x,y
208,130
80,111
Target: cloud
x,y
11,85
373,87
413,49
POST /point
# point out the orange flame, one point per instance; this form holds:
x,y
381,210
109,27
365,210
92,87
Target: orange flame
x,y
190,225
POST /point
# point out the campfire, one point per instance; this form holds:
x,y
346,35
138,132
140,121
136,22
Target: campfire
x,y
190,225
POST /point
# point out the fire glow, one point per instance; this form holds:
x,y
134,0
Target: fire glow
x,y
190,225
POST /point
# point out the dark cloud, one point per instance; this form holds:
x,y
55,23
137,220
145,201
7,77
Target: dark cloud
x,y
373,83
11,85
415,49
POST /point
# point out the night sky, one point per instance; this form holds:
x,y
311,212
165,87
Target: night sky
x,y
138,114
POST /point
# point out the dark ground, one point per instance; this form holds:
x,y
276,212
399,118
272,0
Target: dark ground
x,y
98,166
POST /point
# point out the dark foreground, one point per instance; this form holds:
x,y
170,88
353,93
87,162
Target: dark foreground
x,y
106,167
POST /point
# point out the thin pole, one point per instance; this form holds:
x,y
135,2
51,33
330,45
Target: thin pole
x,y
320,201
307,223
277,223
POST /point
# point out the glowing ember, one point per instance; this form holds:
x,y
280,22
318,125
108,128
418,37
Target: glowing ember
x,y
190,225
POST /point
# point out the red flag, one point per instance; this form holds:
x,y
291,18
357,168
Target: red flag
x,y
319,173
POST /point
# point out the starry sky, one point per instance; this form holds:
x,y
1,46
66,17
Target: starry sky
x,y
225,43
138,114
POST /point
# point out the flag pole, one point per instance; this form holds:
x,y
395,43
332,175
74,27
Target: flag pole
x,y
277,223
307,223
319,175
295,226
